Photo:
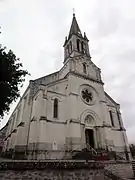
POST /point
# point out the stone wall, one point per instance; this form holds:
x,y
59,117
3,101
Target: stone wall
x,y
51,170
65,170
82,174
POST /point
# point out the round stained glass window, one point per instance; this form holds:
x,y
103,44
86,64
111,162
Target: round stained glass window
x,y
87,96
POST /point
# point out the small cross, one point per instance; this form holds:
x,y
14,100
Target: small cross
x,y
73,11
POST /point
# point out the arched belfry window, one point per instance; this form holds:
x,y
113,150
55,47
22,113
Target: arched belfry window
x,y
70,46
67,49
55,108
82,47
78,44
84,68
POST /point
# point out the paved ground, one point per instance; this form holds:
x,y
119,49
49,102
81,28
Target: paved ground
x,y
122,170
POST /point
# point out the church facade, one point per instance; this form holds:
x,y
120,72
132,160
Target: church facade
x,y
67,111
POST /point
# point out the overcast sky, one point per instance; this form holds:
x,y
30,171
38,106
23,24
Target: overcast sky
x,y
35,30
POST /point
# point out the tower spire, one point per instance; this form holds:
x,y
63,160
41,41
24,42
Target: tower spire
x,y
75,44
74,29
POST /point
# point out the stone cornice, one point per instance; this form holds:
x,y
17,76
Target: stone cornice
x,y
54,92
74,94
21,124
118,129
86,77
44,96
33,119
74,121
103,101
56,81
55,121
43,118
14,131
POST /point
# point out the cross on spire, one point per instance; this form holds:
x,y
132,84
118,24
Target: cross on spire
x,y
73,12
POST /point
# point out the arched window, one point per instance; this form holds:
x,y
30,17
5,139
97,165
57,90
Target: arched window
x,y
66,52
68,49
70,46
82,47
84,68
55,108
78,44
111,117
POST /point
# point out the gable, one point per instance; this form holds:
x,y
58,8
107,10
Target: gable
x,y
47,79
59,87
110,101
91,69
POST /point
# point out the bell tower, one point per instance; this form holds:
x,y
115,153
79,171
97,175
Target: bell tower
x,y
75,44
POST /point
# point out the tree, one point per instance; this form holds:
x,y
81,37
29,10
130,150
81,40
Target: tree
x,y
12,77
132,149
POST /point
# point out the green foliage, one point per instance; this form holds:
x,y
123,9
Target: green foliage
x,y
132,149
12,77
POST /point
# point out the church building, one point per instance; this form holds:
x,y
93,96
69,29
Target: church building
x,y
67,111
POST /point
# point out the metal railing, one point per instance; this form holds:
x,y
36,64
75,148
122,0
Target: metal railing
x,y
91,148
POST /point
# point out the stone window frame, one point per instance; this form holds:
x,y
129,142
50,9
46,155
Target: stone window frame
x,y
84,68
111,118
55,108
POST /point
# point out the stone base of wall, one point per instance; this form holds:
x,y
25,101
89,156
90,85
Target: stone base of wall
x,y
123,155
42,155
53,175
20,153
64,170
51,170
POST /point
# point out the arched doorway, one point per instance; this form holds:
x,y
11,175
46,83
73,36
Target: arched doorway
x,y
89,135
90,138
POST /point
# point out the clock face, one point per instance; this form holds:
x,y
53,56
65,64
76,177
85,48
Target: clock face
x,y
87,95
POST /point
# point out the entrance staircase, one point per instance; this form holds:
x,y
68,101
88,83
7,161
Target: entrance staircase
x,y
113,171
89,153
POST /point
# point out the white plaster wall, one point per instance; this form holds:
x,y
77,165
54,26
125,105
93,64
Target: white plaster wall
x,y
34,132
21,135
75,130
118,140
43,131
37,105
76,101
22,131
8,143
55,133
12,140
115,118
57,91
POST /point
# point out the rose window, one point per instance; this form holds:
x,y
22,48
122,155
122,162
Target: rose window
x,y
87,95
